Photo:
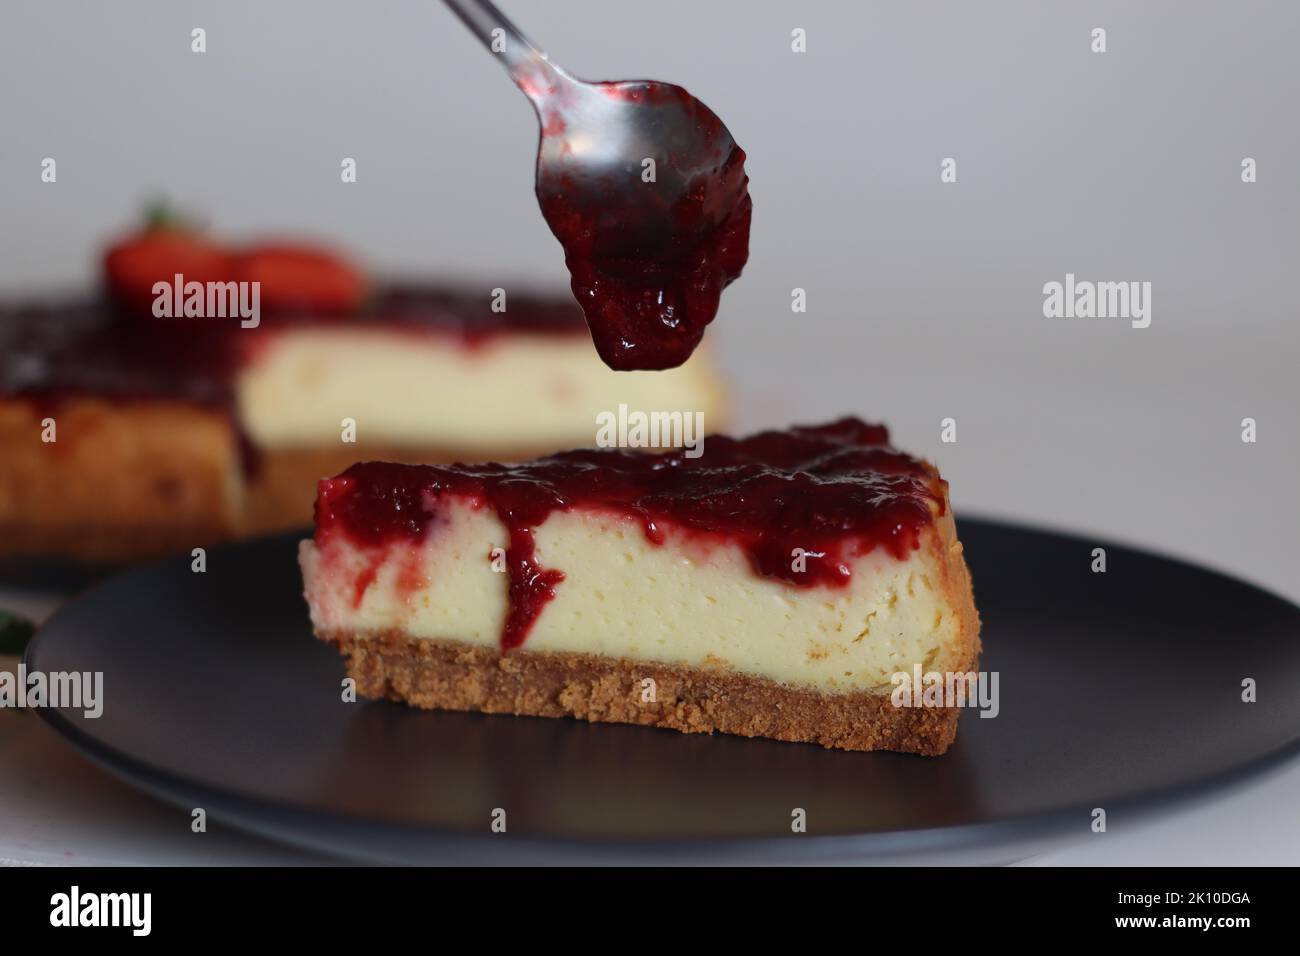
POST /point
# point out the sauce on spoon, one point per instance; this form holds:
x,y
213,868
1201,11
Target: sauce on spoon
x,y
648,265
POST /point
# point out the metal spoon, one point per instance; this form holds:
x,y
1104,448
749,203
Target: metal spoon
x,y
645,189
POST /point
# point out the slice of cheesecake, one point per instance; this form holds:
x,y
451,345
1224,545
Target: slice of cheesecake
x,y
122,439
116,442
771,587
146,421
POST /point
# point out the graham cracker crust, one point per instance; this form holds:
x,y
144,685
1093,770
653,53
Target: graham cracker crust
x,y
124,480
451,675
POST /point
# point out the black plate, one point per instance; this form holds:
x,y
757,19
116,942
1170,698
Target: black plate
x,y
1119,690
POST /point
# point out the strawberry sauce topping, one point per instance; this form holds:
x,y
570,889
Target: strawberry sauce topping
x,y
801,503
649,274
50,352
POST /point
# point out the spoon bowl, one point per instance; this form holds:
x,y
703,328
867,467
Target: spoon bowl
x,y
645,189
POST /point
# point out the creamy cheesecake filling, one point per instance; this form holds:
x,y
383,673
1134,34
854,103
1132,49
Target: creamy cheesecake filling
x,y
525,391
687,601
818,556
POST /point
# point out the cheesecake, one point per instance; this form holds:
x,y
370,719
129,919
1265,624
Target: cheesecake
x,y
771,586
128,433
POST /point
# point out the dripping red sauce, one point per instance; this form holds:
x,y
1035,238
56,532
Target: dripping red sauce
x,y
836,491
649,301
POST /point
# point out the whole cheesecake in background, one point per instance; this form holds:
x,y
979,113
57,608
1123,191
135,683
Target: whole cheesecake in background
x,y
771,587
126,434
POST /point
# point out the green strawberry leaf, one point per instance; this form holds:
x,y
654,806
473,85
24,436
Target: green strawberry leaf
x,y
15,632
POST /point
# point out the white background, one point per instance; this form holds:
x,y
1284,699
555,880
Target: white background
x,y
924,299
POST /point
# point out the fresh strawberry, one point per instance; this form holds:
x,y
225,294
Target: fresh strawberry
x,y
298,277
156,254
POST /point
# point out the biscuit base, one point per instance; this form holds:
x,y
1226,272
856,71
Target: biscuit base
x,y
122,480
452,675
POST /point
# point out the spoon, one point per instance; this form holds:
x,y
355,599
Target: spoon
x,y
644,188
